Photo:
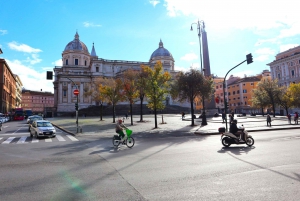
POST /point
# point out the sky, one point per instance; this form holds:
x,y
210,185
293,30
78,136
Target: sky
x,y
34,33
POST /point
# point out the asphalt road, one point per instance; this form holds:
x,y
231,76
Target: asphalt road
x,y
156,168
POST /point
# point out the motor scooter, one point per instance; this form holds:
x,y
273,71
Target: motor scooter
x,y
228,138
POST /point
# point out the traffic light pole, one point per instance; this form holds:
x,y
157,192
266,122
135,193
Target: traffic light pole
x,y
225,101
75,104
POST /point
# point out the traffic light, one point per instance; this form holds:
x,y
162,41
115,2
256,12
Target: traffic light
x,y
49,75
249,58
76,106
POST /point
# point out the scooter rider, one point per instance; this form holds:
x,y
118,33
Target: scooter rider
x,y
119,129
233,128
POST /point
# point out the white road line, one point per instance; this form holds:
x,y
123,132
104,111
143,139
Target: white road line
x,y
60,138
15,134
34,140
48,140
22,140
72,138
17,130
8,140
0,138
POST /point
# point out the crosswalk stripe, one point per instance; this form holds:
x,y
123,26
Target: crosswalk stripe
x,y
60,138
34,140
0,138
22,140
72,138
48,140
8,140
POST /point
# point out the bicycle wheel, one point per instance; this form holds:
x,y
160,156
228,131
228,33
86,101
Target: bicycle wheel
x,y
116,140
130,142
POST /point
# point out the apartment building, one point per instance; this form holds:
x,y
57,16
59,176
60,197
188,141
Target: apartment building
x,y
39,102
7,88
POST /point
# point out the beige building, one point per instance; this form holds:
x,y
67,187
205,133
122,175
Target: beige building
x,y
286,67
80,68
19,86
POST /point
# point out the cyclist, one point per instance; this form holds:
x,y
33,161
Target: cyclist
x,y
119,129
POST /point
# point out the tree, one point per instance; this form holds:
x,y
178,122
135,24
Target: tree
x,y
285,98
187,86
156,87
94,92
294,89
130,88
112,89
260,99
141,83
272,90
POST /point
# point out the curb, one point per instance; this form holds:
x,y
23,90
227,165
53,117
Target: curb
x,y
61,128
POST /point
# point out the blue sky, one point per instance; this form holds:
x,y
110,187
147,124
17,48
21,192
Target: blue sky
x,y
34,33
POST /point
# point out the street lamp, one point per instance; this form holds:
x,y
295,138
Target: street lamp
x,y
200,27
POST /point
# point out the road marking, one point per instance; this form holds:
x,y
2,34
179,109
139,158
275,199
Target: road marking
x,y
22,140
34,140
60,138
0,138
8,140
48,140
72,138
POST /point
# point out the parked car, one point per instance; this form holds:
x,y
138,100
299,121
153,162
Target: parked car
x,y
32,120
42,128
0,126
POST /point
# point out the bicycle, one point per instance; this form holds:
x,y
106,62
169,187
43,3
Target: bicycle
x,y
129,141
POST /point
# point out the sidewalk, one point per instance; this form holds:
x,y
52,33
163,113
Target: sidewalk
x,y
173,125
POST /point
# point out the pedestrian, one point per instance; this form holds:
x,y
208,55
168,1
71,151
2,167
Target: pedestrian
x,y
182,115
126,115
230,118
289,118
296,117
232,114
223,117
268,120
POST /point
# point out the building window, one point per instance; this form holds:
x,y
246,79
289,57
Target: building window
x,y
252,84
76,62
217,87
233,92
228,93
293,73
292,63
85,62
244,91
97,69
64,93
238,92
278,75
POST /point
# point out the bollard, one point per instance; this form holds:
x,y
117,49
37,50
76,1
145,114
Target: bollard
x,y
80,129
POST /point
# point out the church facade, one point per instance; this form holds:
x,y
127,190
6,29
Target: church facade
x,y
80,68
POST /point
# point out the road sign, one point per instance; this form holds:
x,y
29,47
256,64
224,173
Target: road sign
x,y
76,92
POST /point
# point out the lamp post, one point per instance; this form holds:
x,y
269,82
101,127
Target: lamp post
x,y
200,27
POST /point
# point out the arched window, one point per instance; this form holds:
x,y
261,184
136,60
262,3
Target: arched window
x,y
67,62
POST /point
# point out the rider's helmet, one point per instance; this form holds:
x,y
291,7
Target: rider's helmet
x,y
120,121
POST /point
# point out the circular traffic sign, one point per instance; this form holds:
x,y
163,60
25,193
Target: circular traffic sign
x,y
76,92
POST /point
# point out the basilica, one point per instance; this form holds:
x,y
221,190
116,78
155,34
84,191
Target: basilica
x,y
80,68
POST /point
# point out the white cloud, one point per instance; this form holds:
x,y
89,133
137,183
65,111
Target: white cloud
x,y
287,47
192,43
238,14
91,24
31,79
34,60
154,2
23,48
3,32
57,62
189,57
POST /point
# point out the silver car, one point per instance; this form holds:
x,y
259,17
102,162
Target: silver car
x,y
42,128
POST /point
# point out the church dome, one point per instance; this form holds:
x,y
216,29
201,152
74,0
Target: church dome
x,y
161,52
76,44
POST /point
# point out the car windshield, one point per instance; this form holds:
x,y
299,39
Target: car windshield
x,y
44,124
